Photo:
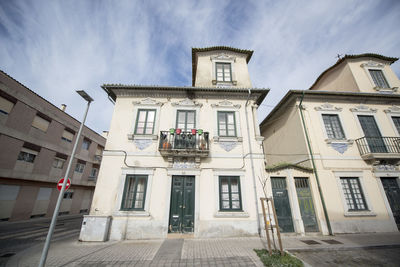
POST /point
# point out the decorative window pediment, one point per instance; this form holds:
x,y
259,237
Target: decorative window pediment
x,y
223,56
327,107
393,109
363,108
372,64
148,102
225,104
187,103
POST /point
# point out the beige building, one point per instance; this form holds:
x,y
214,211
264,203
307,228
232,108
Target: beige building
x,y
333,151
182,159
36,140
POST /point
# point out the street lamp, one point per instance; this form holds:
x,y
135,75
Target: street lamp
x,y
85,96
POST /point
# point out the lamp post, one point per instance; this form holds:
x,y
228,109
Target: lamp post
x,y
42,262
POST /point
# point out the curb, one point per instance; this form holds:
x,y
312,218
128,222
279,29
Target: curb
x,y
343,248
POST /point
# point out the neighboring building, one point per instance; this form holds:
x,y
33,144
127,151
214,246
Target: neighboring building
x,y
36,140
351,131
182,159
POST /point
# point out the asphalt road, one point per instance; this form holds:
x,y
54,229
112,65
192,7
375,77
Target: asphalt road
x,y
18,236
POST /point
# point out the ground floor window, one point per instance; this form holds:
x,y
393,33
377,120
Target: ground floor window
x,y
353,193
134,193
229,190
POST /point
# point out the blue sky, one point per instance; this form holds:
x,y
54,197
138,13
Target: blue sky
x,y
57,47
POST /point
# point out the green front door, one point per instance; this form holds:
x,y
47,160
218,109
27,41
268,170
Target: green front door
x,y
306,204
181,217
392,192
282,206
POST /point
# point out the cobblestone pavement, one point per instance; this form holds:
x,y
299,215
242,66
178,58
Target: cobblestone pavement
x,y
383,256
188,252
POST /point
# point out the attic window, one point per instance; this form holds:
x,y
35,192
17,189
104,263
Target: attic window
x,y
378,78
223,72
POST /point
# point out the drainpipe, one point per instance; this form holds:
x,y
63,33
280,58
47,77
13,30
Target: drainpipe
x,y
252,164
314,168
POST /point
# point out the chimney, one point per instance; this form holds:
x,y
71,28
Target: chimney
x,y
63,107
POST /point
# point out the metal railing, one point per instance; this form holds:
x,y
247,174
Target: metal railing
x,y
187,141
368,145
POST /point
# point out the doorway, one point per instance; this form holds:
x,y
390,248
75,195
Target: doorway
x,y
181,215
392,191
282,205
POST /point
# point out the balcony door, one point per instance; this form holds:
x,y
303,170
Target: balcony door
x,y
186,121
372,134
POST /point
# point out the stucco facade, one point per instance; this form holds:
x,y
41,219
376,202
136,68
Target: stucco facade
x,y
191,165
36,141
351,133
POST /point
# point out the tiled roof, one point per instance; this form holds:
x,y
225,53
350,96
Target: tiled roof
x,y
214,48
325,94
109,87
389,59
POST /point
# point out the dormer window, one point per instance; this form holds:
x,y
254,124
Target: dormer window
x,y
378,78
223,72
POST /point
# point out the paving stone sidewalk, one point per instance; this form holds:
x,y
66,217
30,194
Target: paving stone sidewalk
x,y
181,252
204,252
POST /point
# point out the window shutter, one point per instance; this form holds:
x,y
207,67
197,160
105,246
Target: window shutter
x,y
68,135
5,105
40,123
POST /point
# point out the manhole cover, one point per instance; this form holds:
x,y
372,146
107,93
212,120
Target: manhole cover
x,y
331,241
7,255
310,242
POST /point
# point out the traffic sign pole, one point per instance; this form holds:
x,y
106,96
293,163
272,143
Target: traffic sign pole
x,y
60,196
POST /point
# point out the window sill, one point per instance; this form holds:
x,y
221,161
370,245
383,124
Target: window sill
x,y
339,141
386,90
231,214
131,213
142,137
364,213
227,139
220,83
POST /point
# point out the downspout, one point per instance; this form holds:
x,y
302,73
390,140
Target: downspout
x,y
252,164
314,168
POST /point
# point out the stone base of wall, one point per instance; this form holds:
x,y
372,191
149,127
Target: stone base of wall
x,y
225,228
363,226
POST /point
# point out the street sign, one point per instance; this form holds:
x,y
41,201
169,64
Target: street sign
x,y
60,183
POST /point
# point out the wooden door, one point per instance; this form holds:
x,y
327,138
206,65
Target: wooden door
x,y
282,205
392,191
306,204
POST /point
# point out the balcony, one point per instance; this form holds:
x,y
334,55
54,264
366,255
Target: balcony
x,y
175,142
379,148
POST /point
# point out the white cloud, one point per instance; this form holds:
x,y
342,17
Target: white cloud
x,y
57,47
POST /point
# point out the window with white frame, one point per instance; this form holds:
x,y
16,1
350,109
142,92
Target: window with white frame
x,y
79,167
145,121
86,144
378,78
134,193
93,172
353,194
396,122
223,72
226,123
230,198
27,155
333,126
58,163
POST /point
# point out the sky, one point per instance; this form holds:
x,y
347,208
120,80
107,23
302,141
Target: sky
x,y
57,47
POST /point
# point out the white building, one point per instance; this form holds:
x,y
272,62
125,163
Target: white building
x,y
182,159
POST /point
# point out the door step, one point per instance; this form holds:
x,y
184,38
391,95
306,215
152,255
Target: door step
x,y
180,236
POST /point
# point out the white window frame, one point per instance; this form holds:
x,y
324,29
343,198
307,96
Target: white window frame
x,y
369,112
373,65
84,141
80,164
121,187
59,160
243,185
356,174
29,151
223,58
145,104
238,137
328,140
393,111
91,172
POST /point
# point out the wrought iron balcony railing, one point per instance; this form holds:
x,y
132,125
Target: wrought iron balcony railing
x,y
191,143
379,147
